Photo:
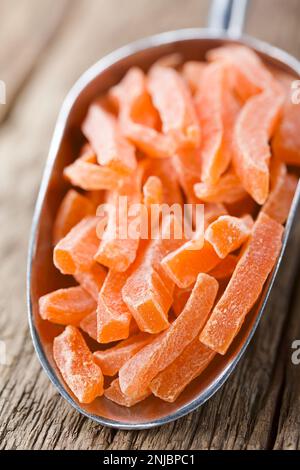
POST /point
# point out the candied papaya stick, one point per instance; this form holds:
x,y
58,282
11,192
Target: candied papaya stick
x,y
118,247
187,165
76,365
209,102
283,187
192,72
75,252
138,118
153,191
254,127
163,169
180,298
88,175
171,382
89,325
245,285
227,190
66,306
225,269
113,316
248,73
112,359
136,375
114,393
213,210
72,209
228,233
174,102
193,257
112,149
148,291
92,279
286,141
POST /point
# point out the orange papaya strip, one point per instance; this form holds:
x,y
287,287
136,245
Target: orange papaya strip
x,y
174,102
283,187
187,165
163,169
138,118
286,141
244,286
180,299
248,73
86,174
148,292
193,257
76,365
192,72
227,190
112,149
118,247
89,325
112,359
171,382
92,280
75,252
224,269
254,128
114,393
72,209
136,375
113,316
153,191
66,306
228,233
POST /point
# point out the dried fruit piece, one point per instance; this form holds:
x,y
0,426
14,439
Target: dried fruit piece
x,y
174,102
115,394
75,252
187,165
75,363
180,298
92,280
148,291
224,269
66,306
136,375
227,190
163,169
86,174
113,316
112,359
89,325
283,187
72,209
120,240
193,257
112,149
228,233
138,118
153,191
245,285
254,128
170,383
247,71
192,72
286,141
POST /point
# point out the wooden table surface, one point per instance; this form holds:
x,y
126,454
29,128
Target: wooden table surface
x,y
44,46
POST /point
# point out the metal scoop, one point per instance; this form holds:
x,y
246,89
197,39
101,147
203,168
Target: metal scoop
x,y
226,21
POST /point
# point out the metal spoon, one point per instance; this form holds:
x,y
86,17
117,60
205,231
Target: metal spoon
x,y
226,21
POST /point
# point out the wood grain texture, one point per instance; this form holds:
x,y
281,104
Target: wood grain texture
x,y
259,407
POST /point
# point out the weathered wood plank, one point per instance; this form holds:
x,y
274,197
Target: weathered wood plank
x,y
25,32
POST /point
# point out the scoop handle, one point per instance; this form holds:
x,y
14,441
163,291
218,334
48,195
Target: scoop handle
x,y
228,16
